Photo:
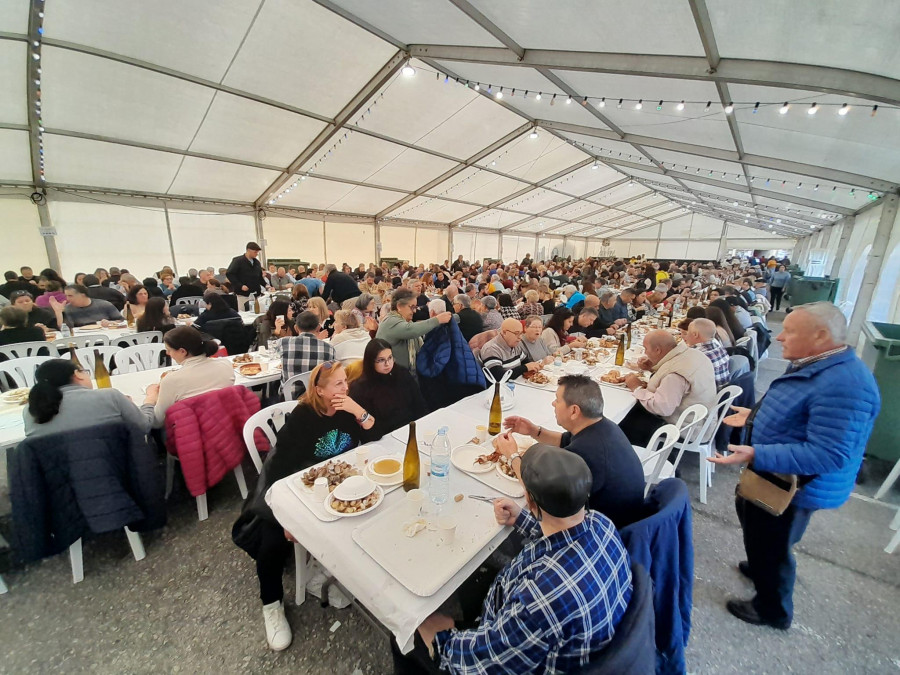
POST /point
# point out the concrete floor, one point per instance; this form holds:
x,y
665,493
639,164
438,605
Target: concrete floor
x,y
191,606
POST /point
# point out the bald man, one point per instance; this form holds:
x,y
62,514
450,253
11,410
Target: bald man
x,y
701,336
505,352
681,377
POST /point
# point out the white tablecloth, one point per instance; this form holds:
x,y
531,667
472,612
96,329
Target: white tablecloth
x,y
332,545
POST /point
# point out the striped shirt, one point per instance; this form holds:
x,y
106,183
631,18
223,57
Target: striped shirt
x,y
498,357
552,608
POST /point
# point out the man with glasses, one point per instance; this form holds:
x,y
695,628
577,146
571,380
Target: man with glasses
x,y
303,352
505,352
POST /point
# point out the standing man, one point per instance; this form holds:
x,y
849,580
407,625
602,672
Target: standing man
x,y
245,274
814,422
339,286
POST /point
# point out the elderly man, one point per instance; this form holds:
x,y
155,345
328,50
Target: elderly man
x,y
281,280
402,333
814,422
449,293
470,323
617,489
681,377
245,274
505,352
701,336
79,309
339,286
557,604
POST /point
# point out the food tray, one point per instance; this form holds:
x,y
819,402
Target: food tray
x,y
461,429
424,563
317,506
494,480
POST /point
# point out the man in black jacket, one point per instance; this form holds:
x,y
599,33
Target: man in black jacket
x,y
339,286
245,274
470,321
95,290
13,284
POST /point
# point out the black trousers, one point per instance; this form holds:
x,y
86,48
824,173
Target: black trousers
x,y
768,541
776,297
640,424
274,552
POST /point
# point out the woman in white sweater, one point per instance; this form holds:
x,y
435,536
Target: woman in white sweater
x,y
198,374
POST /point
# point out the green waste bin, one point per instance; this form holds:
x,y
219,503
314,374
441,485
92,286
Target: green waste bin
x,y
802,290
881,353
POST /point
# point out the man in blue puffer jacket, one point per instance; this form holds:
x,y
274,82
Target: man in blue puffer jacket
x,y
815,422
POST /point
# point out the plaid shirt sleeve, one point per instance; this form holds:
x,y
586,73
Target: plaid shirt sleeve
x,y
720,362
303,353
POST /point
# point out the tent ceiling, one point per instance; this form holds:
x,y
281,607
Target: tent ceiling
x,y
301,103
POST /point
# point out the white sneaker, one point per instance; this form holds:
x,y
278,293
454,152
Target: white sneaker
x,y
278,630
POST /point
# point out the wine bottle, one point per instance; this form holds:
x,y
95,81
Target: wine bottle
x,y
129,315
628,335
256,309
411,461
620,351
496,417
101,373
74,357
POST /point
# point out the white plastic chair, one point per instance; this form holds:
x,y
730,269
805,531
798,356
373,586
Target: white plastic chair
x,y
23,349
143,338
191,300
895,540
107,352
269,421
351,350
202,507
75,554
287,387
3,588
654,458
81,341
704,442
749,343
138,358
20,371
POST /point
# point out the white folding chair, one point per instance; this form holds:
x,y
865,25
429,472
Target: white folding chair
x,y
654,458
138,358
287,387
143,338
23,349
81,341
107,352
749,343
704,443
191,300
75,554
202,507
895,540
351,350
269,421
20,372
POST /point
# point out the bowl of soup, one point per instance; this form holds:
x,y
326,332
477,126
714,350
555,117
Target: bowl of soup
x,y
386,468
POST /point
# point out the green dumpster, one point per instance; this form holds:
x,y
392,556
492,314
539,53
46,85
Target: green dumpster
x,y
881,353
802,290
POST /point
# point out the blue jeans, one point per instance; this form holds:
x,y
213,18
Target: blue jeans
x,y
768,541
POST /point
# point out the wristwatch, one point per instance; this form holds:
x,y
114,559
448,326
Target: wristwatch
x,y
364,418
515,455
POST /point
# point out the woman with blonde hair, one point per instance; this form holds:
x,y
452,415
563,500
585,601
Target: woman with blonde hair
x,y
326,322
326,423
532,305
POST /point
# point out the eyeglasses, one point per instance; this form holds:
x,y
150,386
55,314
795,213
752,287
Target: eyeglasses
x,y
328,365
384,361
512,332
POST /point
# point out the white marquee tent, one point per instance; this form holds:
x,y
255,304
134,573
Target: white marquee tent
x,y
144,133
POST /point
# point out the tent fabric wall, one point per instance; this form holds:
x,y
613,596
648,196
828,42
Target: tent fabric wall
x,y
296,238
431,245
208,239
20,223
349,243
398,242
487,245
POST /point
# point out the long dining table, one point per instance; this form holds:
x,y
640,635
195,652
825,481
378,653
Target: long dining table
x,y
333,544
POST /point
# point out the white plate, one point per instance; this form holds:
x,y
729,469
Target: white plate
x,y
500,472
331,511
463,458
19,396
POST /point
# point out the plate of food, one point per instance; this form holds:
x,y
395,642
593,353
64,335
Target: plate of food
x,y
355,496
16,396
242,358
121,324
335,470
537,377
473,458
505,469
90,326
250,369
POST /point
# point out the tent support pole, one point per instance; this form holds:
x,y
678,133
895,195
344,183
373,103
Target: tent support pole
x,y
874,265
171,242
846,230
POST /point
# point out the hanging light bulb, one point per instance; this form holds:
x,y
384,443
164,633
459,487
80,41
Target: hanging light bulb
x,y
659,107
499,94
680,106
596,165
639,104
844,109
874,111
756,108
729,108
537,96
477,87
708,105
602,103
568,100
553,100
783,109
620,104
533,134
407,70
813,109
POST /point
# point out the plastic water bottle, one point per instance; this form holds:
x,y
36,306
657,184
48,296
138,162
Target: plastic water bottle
x,y
64,330
440,468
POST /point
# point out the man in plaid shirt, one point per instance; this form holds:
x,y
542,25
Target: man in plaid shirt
x,y
702,337
555,605
304,352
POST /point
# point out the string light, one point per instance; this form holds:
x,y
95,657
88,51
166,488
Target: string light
x,y
874,110
756,108
784,109
680,106
844,110
533,134
477,86
620,104
729,108
708,106
407,70
499,94
537,97
659,107
568,100
602,103
639,104
813,109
